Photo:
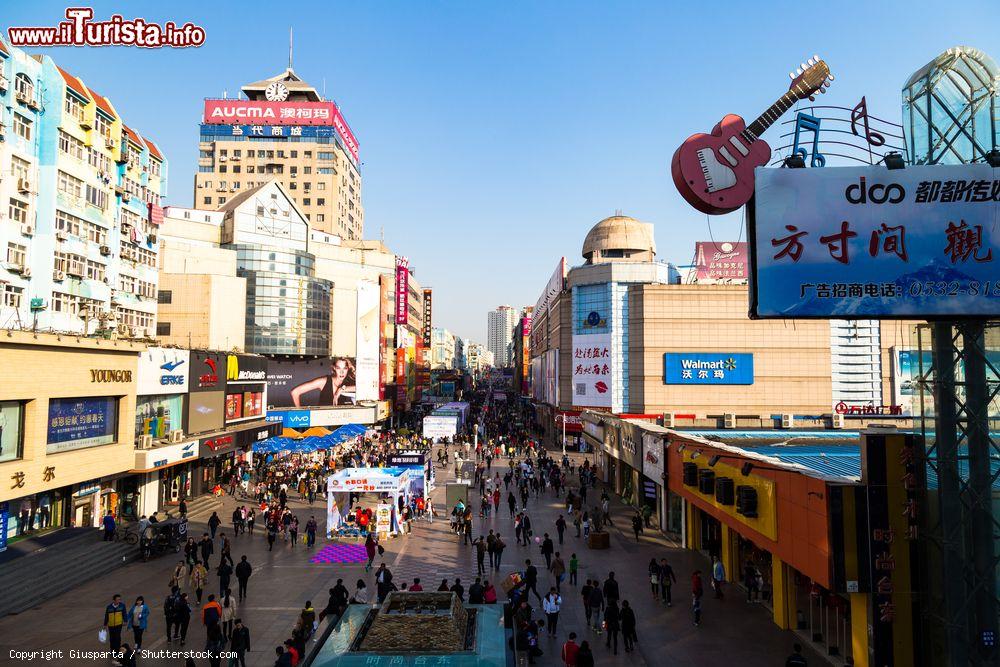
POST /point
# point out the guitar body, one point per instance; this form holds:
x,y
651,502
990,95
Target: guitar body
x,y
714,172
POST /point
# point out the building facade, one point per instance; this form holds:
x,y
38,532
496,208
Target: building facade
x,y
500,325
82,205
444,346
285,131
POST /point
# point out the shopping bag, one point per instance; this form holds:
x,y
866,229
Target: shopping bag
x,y
102,636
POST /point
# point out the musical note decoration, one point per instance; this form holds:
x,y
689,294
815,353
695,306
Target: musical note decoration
x,y
804,121
860,112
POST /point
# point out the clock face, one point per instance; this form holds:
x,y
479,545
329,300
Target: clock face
x,y
276,92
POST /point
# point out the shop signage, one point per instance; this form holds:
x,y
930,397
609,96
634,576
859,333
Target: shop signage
x,y
720,261
246,368
592,366
342,416
206,367
75,423
161,457
218,442
707,368
109,375
290,418
367,480
426,331
4,520
652,457
571,421
595,431
870,242
280,115
383,518
248,437
162,371
403,460
368,347
88,488
402,289
867,410
594,319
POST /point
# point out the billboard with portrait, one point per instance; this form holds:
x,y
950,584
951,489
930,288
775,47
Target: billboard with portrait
x,y
319,382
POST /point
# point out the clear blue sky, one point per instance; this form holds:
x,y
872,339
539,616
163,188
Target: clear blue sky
x,y
495,134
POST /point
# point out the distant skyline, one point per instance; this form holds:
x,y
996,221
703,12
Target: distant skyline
x,y
493,136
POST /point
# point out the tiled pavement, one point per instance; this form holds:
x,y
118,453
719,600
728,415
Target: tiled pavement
x,y
731,632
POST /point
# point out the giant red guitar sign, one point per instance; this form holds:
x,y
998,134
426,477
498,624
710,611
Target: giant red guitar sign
x,y
714,172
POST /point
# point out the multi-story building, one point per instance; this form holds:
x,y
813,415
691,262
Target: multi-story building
x,y
82,206
285,131
500,332
443,349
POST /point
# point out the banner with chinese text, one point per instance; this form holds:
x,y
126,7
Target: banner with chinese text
x,y
592,377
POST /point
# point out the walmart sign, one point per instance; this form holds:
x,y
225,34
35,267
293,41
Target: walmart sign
x,y
707,368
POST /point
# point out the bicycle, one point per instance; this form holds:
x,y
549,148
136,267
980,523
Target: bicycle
x,y
126,535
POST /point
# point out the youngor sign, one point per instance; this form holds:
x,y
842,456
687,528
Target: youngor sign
x,y
919,242
592,370
707,368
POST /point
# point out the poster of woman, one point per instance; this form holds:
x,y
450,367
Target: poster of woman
x,y
336,388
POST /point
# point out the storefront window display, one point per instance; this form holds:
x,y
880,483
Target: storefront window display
x,y
11,418
158,415
175,483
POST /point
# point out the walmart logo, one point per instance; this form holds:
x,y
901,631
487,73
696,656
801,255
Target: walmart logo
x,y
729,364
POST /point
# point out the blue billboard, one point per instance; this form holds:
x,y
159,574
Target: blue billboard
x,y
75,423
868,242
290,418
707,368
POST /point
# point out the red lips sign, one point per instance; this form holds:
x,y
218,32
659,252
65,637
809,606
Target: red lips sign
x,y
601,387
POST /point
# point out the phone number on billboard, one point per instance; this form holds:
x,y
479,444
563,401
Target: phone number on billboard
x,y
988,288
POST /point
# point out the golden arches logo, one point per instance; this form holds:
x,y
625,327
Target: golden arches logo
x,y
232,367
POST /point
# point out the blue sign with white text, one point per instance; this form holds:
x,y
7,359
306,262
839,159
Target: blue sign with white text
x,y
290,418
707,368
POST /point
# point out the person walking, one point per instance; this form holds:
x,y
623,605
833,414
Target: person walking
x,y
560,528
548,548
696,609
551,606
239,644
311,527
498,547
293,530
585,656
596,604
251,518
272,534
531,579
243,572
654,578
228,605
170,614
207,548
636,525
612,623
697,589
570,649
213,523
383,582
611,593
225,572
558,570
191,552
628,623
109,526
138,618
718,577
179,577
370,551
796,659
480,545
667,580
182,616
199,579
114,621
750,581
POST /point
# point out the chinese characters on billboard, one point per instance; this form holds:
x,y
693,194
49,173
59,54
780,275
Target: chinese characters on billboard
x,y
870,242
720,261
75,423
591,369
707,368
402,289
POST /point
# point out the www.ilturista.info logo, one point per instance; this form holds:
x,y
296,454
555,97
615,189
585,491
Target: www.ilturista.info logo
x,y
81,30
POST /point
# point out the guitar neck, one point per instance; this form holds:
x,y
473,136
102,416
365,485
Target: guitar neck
x,y
774,112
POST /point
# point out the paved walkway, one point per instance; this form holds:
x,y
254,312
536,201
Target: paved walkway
x,y
731,631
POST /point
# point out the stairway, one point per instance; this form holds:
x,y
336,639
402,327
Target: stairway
x,y
204,504
43,574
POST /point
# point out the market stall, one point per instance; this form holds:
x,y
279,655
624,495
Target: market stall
x,y
391,482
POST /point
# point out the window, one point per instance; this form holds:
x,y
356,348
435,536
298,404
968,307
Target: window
x,y
17,254
307,170
12,415
155,167
321,202
325,170
96,233
12,295
309,154
260,210
72,146
281,155
222,200
306,202
251,169
95,270
24,86
237,152
163,328
126,283
321,185
69,185
22,127
73,106
236,168
165,296
72,304
208,201
320,217
134,318
223,152
223,169
97,197
295,154
18,211
293,186
325,156
19,168
70,224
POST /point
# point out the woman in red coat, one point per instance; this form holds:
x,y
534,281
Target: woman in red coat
x,y
370,549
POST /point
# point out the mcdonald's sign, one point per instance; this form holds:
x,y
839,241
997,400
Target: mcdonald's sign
x,y
246,368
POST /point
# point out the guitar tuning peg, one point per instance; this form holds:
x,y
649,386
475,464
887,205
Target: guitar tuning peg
x,y
816,58
831,77
803,66
810,62
812,98
791,75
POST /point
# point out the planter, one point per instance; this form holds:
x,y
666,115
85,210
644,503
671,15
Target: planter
x,y
599,540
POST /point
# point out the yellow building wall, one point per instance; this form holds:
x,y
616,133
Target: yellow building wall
x,y
37,367
206,311
766,521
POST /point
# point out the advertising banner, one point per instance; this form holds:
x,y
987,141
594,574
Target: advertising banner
x,y
208,371
368,342
707,368
311,382
206,411
163,371
867,242
259,113
652,457
428,317
246,368
402,289
720,261
297,419
76,423
440,426
592,370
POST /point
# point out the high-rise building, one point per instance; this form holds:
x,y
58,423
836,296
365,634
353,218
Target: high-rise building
x,y
78,248
283,130
443,349
500,333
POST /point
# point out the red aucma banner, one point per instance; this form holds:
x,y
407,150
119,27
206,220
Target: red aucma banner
x,y
251,112
402,288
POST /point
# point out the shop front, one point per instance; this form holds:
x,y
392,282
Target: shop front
x,y
160,479
652,497
569,431
221,452
246,388
161,384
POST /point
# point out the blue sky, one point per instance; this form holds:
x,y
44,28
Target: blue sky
x,y
494,135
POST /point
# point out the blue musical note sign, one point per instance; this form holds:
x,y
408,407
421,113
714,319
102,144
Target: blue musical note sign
x,y
804,121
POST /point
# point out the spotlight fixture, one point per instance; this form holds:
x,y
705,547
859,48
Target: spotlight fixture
x,y
993,158
712,461
794,161
894,160
745,470
695,455
681,448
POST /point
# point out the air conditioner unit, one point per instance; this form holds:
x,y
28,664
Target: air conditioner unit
x,y
21,97
109,143
222,158
236,158
105,250
126,197
151,238
23,186
669,421
34,104
122,329
787,420
17,268
145,442
176,436
838,421
729,420
232,188
58,276
26,272
61,236
27,229
131,332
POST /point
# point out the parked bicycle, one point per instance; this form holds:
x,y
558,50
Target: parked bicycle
x,y
126,534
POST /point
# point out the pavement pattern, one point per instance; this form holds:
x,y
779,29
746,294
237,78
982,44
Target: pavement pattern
x,y
731,631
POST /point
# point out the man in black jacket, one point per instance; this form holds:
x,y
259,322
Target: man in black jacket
x,y
207,549
240,643
476,592
531,579
243,572
337,602
611,589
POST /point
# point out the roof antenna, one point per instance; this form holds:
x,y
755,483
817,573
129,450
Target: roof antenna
x,y
289,47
